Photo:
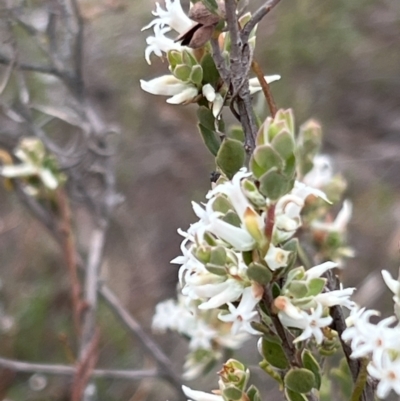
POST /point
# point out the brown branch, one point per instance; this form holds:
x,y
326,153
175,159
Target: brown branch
x,y
265,88
240,61
85,368
65,370
257,17
70,255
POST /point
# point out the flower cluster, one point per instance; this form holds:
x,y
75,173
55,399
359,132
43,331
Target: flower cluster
x,y
194,77
241,246
36,164
380,342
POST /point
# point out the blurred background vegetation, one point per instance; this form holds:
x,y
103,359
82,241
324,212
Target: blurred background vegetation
x,y
340,63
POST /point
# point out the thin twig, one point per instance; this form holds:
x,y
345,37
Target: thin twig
x,y
265,88
151,347
68,245
65,370
257,17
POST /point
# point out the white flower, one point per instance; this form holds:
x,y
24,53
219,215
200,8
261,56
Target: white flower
x,y
233,190
388,374
321,174
208,92
160,43
337,297
201,335
173,16
311,324
319,270
393,285
255,86
367,338
200,395
242,315
220,294
276,257
168,85
218,103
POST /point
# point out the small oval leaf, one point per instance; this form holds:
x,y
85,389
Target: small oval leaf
x,y
300,380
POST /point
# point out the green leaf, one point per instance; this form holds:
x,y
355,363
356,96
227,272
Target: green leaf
x,y
288,116
236,132
300,380
196,75
233,393
276,290
210,72
274,354
230,157
253,393
267,158
218,256
283,143
232,218
216,269
259,273
315,286
206,117
310,363
174,58
210,139
293,396
247,257
274,185
290,166
182,72
298,288
189,59
275,128
211,6
221,204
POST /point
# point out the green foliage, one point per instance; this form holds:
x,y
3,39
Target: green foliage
x,y
206,128
230,157
300,380
259,273
211,5
273,353
310,363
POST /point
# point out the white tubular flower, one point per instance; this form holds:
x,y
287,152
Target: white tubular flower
x,y
159,43
319,270
393,285
276,257
194,395
388,374
239,238
223,293
233,190
284,305
168,85
218,103
321,174
337,297
255,86
173,16
311,324
244,314
209,92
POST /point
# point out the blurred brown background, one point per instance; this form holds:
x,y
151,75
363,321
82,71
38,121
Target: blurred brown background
x,y
340,63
